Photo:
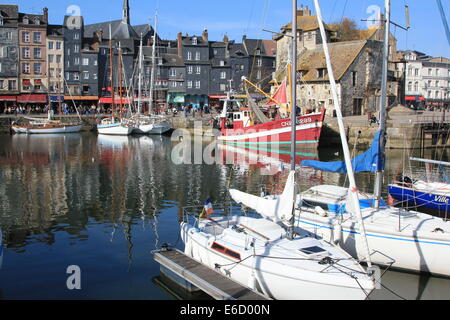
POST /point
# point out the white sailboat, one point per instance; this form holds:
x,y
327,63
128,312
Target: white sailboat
x,y
402,239
111,125
275,261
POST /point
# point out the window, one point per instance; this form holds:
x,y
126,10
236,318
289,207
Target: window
x,y
50,45
242,67
76,48
173,84
173,72
189,84
1,21
76,36
198,69
85,61
12,85
321,73
25,36
354,78
67,76
197,55
58,58
25,52
37,53
197,84
190,69
437,72
26,20
416,86
259,62
25,68
189,55
86,75
258,75
223,75
222,63
58,45
409,86
76,76
76,61
223,87
37,37
37,68
50,58
52,72
194,40
430,72
416,72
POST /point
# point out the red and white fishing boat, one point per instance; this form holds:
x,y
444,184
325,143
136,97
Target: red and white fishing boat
x,y
249,126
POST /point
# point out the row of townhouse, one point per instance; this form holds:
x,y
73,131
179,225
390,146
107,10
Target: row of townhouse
x,y
68,64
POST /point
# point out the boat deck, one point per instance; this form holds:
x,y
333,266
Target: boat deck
x,y
210,281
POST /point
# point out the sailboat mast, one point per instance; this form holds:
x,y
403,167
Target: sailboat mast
x,y
383,100
120,81
111,71
152,78
140,78
294,83
353,190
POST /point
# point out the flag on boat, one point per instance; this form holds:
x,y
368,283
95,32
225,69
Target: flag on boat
x,y
370,161
208,208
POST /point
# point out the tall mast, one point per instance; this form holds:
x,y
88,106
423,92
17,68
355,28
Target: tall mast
x,y
120,80
111,72
444,20
294,84
353,190
140,78
152,78
383,99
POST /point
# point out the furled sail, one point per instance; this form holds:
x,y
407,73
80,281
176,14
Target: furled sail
x,y
370,161
277,209
259,114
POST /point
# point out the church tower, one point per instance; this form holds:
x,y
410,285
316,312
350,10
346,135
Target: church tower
x,y
126,12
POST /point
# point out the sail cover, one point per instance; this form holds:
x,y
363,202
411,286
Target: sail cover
x,y
370,161
259,114
278,209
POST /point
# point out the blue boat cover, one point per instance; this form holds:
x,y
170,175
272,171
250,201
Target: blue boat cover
x,y
370,161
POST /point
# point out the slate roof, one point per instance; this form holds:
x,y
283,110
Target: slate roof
x,y
342,55
10,14
55,30
307,23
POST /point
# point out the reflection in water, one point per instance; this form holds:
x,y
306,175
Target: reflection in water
x,y
104,203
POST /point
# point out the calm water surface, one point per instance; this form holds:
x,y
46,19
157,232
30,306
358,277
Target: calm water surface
x,y
104,203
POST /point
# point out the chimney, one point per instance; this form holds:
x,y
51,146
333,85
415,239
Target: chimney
x,y
100,35
225,39
46,15
180,44
205,35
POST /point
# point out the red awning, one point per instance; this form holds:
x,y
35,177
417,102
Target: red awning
x,y
421,98
32,98
8,98
414,98
116,101
26,82
37,81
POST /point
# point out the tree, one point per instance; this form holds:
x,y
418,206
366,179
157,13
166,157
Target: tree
x,y
348,30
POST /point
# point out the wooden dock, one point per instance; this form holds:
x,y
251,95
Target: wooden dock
x,y
208,280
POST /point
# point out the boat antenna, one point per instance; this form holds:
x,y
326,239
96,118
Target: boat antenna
x,y
345,148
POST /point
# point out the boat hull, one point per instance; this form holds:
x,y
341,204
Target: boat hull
x,y
115,129
409,251
278,132
420,199
285,284
47,130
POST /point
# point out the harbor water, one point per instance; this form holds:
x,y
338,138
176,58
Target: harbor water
x,y
104,203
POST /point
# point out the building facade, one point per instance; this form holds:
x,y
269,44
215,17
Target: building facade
x,y
55,63
9,56
33,79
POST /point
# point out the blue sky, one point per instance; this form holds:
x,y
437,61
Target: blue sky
x,y
236,17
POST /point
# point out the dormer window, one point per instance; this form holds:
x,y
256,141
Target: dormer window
x,y
321,73
26,20
37,21
194,41
258,51
160,61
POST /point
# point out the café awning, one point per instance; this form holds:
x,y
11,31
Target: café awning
x,y
32,98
